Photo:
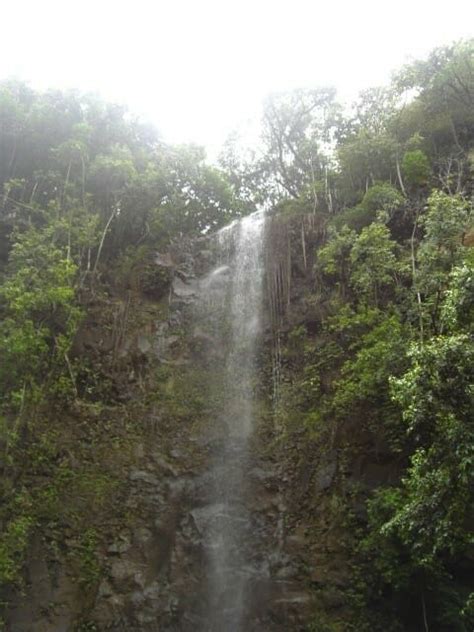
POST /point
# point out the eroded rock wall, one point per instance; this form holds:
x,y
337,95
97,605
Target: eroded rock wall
x,y
142,339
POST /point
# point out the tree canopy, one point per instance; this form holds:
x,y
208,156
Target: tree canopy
x,y
391,180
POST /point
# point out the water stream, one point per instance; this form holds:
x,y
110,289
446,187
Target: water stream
x,y
233,304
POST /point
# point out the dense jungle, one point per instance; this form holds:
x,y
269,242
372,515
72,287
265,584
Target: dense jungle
x,y
359,468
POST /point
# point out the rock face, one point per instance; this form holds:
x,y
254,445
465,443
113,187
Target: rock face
x,y
205,490
154,559
156,573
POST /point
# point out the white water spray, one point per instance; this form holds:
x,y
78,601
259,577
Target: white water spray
x,y
235,289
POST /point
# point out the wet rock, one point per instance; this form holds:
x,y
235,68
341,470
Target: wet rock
x,y
137,599
164,340
105,589
143,477
121,569
184,290
325,476
163,464
261,474
156,569
53,600
155,276
121,545
143,343
142,535
177,487
139,451
204,516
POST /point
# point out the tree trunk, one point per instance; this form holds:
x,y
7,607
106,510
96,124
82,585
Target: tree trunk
x,y
413,273
400,180
102,240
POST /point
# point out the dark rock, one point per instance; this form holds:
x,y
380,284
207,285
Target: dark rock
x,y
143,477
325,475
120,546
184,290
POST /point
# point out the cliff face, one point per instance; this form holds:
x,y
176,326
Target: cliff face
x,y
126,550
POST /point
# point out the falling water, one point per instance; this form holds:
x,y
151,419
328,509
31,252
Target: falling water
x,y
234,291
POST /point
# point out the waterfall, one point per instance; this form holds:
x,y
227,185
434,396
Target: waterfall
x,y
232,311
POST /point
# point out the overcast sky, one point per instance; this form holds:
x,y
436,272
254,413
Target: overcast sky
x,y
197,69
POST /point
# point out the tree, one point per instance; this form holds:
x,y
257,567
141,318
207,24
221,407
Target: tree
x,y
445,222
416,167
373,262
297,132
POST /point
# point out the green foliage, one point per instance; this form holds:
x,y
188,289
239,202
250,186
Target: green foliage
x,y
373,262
14,539
199,197
445,222
365,262
380,203
365,377
436,397
366,157
334,258
355,218
296,125
182,393
415,549
89,571
324,623
458,308
40,314
382,197
444,86
416,167
75,152
86,186
415,528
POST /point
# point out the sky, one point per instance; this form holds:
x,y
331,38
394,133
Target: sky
x,y
200,69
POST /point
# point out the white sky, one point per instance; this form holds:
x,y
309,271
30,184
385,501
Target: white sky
x,y
197,69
